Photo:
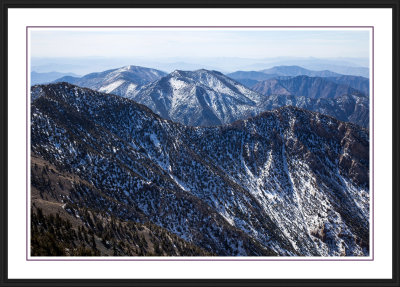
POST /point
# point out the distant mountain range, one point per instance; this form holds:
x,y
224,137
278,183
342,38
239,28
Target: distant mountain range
x,y
207,98
125,181
45,78
85,65
343,70
311,87
251,78
341,66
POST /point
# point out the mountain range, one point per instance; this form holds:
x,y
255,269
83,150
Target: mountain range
x,y
312,87
207,98
287,182
252,78
85,65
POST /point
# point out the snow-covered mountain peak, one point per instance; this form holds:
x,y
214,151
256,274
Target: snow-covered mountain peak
x,y
200,97
127,68
122,81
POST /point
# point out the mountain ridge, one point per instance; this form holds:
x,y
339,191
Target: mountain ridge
x,y
228,188
207,98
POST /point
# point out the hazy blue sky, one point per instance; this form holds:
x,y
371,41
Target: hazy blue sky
x,y
167,43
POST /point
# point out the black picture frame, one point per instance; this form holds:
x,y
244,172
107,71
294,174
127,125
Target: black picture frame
x,y
299,4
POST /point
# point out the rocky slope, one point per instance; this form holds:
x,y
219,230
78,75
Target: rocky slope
x,y
287,182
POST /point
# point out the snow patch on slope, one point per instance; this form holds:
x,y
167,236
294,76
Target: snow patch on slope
x,y
111,87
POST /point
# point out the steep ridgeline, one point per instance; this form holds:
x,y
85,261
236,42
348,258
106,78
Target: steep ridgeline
x,y
122,81
199,98
287,182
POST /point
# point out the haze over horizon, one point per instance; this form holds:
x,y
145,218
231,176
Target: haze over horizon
x,y
82,51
